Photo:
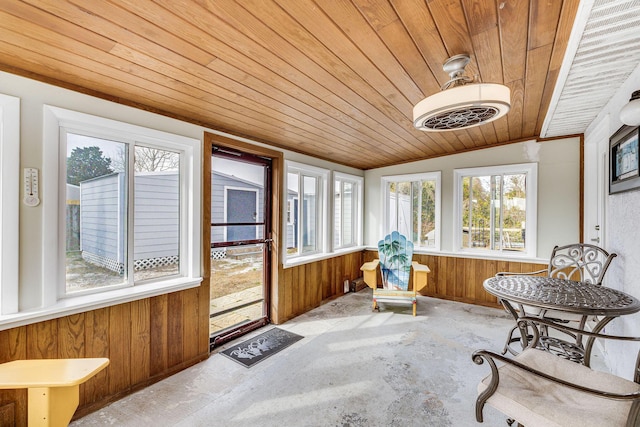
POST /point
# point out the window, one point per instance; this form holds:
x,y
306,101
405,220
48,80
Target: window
x,y
496,209
9,202
127,209
306,189
412,207
347,207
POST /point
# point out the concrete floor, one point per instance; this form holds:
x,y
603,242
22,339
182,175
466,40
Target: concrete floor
x,y
354,368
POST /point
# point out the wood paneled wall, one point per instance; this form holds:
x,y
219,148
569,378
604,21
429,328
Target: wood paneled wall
x,y
145,340
460,279
304,287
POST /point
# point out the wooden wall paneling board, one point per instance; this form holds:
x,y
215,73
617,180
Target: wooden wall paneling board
x,y
13,346
543,17
451,21
167,80
175,322
514,118
140,355
287,286
489,60
337,106
159,332
537,63
120,348
354,91
348,18
191,324
465,138
128,24
422,29
30,13
385,74
41,340
96,338
326,266
481,16
395,36
71,342
502,124
513,19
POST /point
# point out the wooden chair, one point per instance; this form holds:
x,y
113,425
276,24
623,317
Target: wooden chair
x,y
395,254
538,389
579,262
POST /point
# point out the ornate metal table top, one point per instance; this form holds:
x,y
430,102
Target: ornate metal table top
x,y
565,295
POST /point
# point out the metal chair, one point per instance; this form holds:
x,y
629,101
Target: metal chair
x,y
538,389
579,262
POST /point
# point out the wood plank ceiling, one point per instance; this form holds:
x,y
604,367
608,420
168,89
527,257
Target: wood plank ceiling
x,y
335,79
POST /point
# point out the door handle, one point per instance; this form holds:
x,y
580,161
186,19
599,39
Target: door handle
x,y
597,240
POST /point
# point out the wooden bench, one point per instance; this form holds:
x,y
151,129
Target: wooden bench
x,y
53,386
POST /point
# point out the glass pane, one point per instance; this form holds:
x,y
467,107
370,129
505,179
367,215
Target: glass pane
x,y
480,208
337,215
156,220
95,213
392,207
428,214
416,208
405,210
496,212
514,211
293,202
348,214
309,213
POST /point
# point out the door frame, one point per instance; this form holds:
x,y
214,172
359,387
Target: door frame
x,y
275,296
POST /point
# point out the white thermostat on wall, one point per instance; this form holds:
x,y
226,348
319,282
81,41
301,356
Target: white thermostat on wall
x,y
31,187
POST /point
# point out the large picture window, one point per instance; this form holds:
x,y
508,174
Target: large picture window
x,y
496,209
412,207
127,208
347,208
306,201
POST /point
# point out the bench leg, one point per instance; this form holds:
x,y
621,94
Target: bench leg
x,y
52,406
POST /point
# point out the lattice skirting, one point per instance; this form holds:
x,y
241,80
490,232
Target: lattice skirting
x,y
145,264
218,254
102,261
139,264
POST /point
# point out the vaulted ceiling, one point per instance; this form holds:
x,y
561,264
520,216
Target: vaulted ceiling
x,y
335,79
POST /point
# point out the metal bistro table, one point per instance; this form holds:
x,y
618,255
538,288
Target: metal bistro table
x,y
548,293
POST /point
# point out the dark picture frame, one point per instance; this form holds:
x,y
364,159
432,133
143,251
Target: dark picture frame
x,y
624,160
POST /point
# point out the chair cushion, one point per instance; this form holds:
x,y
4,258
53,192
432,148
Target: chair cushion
x,y
535,401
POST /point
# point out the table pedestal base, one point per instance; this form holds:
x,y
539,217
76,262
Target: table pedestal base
x,y
52,406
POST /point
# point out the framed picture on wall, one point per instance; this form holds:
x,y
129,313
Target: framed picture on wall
x,y
624,164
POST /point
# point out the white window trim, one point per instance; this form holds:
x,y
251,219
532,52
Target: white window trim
x,y
358,182
323,176
531,169
9,202
48,303
426,176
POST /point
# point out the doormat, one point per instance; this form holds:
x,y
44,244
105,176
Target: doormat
x,y
258,348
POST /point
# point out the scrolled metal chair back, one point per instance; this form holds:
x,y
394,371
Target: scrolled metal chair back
x,y
580,262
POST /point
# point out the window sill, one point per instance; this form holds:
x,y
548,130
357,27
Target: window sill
x,y
476,255
69,306
319,257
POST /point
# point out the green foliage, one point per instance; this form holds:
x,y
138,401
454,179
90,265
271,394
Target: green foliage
x,y
85,163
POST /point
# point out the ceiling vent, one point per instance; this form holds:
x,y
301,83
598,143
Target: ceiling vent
x,y
461,104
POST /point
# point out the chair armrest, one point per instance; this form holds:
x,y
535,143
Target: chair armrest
x,y
513,273
369,270
420,272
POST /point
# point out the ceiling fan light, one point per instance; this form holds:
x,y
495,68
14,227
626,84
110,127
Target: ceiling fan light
x,y
630,113
462,107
